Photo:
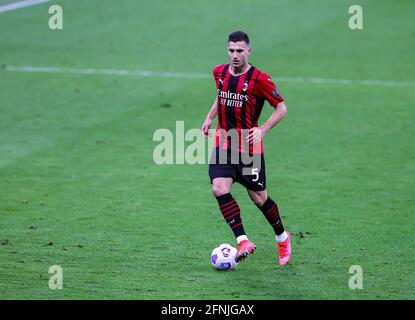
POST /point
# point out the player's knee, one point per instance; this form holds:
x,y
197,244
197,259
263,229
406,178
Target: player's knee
x,y
219,189
259,197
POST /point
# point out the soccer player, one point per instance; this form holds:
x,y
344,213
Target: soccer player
x,y
241,92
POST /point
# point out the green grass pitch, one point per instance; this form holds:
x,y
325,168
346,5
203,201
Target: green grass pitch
x,y
79,188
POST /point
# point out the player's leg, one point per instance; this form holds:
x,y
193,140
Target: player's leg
x,y
221,188
255,183
222,174
271,212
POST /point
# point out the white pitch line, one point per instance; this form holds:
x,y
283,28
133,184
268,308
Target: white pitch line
x,y
197,75
19,5
107,72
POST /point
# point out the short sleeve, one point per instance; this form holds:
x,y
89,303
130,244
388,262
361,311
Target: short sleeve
x,y
216,72
268,90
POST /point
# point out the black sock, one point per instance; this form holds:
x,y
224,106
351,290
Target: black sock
x,y
270,211
231,212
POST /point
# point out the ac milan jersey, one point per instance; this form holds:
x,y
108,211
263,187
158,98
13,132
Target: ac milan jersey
x,y
240,102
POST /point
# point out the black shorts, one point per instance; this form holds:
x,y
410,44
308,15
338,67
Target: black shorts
x,y
248,172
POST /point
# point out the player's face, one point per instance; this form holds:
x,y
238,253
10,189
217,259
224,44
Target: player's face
x,y
238,53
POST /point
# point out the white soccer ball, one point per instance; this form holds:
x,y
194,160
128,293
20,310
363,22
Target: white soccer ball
x,y
223,257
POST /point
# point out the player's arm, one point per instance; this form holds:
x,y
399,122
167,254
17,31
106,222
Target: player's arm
x,y
268,91
213,112
279,114
256,134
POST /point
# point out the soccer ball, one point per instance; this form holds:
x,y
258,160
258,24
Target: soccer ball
x,y
223,257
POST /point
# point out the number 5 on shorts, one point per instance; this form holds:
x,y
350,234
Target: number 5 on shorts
x,y
255,172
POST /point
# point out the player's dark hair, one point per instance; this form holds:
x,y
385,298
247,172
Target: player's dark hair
x,y
238,36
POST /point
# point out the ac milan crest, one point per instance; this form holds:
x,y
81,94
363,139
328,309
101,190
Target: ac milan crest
x,y
245,86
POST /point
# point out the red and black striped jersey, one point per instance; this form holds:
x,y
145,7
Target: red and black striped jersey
x,y
240,102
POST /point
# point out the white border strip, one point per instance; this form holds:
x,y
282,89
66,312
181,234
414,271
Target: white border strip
x,y
197,75
19,5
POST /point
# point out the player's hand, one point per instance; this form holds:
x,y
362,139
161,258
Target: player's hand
x,y
206,126
255,135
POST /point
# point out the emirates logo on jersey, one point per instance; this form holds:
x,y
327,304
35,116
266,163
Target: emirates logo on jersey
x,y
231,99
